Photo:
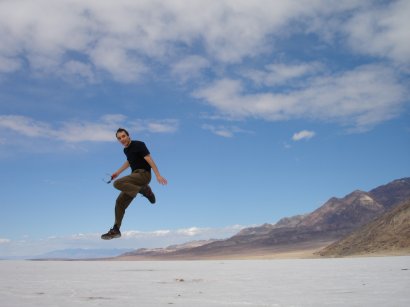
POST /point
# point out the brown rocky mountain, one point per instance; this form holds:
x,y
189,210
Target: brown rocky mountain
x,y
389,233
392,193
332,221
345,213
266,228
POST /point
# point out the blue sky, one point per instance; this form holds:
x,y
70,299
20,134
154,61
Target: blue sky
x,y
253,111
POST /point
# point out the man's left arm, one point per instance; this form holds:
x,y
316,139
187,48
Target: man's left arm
x,y
154,167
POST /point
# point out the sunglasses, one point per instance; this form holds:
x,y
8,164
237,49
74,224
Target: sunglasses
x,y
107,178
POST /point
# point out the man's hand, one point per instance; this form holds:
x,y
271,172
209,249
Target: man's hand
x,y
120,170
162,180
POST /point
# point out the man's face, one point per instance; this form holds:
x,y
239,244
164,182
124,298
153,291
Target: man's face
x,y
123,138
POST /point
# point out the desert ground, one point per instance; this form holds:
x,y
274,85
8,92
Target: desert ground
x,y
363,281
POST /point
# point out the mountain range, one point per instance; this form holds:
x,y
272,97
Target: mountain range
x,y
333,221
387,234
80,253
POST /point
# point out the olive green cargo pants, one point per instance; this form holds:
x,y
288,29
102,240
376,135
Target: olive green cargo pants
x,y
129,186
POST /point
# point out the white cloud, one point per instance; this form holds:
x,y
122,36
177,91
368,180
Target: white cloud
x,y
382,31
78,131
79,69
25,126
221,130
224,131
123,65
304,134
359,99
134,234
190,232
113,118
122,38
280,73
155,126
102,130
4,241
189,68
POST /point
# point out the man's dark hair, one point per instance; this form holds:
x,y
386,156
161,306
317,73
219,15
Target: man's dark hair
x,y
122,130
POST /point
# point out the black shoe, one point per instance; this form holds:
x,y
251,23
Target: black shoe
x,y
112,234
147,192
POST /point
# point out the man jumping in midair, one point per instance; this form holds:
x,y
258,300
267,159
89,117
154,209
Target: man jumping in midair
x,y
141,163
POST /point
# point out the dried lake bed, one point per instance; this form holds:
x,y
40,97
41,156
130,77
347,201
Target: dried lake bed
x,y
371,281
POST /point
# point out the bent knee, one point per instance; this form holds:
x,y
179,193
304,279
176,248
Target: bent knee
x,y
117,184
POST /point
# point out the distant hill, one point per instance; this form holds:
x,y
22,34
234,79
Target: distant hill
x,y
164,252
389,233
80,253
332,221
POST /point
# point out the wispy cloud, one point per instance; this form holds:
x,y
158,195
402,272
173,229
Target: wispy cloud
x,y
156,126
193,231
4,241
101,130
381,31
223,130
303,135
85,38
359,99
189,68
282,73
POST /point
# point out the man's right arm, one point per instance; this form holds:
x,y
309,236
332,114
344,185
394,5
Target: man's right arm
x,y
121,169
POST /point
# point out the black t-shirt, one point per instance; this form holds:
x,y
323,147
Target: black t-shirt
x,y
135,153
